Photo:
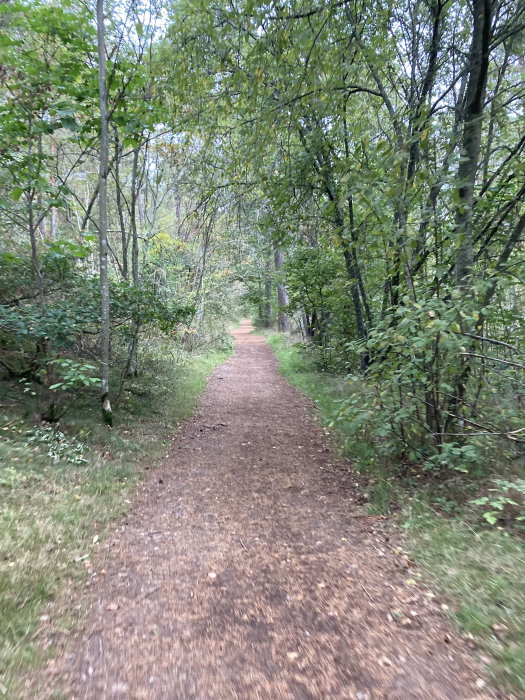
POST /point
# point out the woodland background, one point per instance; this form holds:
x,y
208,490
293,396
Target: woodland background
x,y
348,172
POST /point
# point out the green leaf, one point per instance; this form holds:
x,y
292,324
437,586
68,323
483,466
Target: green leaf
x,y
17,193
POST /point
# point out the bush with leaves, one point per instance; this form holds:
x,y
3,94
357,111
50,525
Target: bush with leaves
x,y
411,404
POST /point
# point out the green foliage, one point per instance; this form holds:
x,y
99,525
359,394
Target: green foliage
x,y
481,577
73,374
408,404
316,284
58,446
61,488
506,502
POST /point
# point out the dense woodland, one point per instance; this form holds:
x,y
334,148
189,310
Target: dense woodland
x,y
349,171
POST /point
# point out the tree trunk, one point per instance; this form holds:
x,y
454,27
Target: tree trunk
x,y
283,320
31,218
134,367
267,320
103,218
53,212
471,138
133,215
118,191
472,115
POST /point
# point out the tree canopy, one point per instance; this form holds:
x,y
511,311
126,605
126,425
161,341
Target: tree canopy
x,y
350,169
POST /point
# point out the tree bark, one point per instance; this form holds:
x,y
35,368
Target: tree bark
x,y
118,191
31,216
283,320
133,215
472,115
103,218
471,138
134,367
267,321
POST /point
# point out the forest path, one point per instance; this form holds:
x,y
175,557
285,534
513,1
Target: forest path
x,y
245,570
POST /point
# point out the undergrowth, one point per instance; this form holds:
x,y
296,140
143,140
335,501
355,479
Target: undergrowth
x,y
60,487
479,569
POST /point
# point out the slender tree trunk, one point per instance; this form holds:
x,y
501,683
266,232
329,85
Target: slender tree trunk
x,y
53,228
140,205
31,218
472,114
134,366
133,216
283,320
53,212
120,210
267,322
103,222
471,138
42,223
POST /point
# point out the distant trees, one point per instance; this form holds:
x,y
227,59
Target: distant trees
x,y
89,154
355,166
386,141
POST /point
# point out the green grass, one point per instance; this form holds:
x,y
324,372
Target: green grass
x,y
54,513
322,387
483,576
480,571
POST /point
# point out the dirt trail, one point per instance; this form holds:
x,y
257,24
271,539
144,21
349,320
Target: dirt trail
x,y
246,571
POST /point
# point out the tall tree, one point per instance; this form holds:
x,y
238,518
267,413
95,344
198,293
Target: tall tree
x,y
103,215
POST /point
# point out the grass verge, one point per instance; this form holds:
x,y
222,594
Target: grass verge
x,y
60,489
480,571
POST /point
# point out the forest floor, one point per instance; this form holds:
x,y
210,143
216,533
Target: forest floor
x,y
248,569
